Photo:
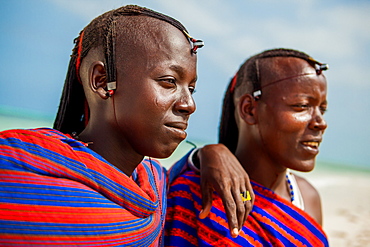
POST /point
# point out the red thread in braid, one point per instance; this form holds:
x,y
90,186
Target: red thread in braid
x,y
195,48
78,60
78,64
233,83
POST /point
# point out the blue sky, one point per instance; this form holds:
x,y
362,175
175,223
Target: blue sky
x,y
36,41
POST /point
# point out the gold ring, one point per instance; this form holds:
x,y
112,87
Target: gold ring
x,y
246,196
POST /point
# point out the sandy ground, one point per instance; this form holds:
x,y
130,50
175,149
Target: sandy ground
x,y
345,196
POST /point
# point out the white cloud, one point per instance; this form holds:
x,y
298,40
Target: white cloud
x,y
329,32
201,17
87,9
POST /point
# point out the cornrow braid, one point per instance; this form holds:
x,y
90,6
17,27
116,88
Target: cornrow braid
x,y
72,114
247,80
228,130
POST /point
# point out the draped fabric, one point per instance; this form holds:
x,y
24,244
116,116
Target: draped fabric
x,y
56,191
272,222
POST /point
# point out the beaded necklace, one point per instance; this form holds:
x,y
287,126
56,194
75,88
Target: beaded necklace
x,y
290,187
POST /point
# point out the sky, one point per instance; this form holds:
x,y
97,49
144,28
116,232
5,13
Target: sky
x,y
36,42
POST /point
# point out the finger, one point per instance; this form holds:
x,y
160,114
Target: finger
x,y
245,204
228,201
207,192
248,207
249,204
240,207
206,202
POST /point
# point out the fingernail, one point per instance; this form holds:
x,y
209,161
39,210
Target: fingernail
x,y
201,216
235,232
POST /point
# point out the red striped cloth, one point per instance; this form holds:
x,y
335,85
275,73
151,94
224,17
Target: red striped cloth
x,y
272,222
56,191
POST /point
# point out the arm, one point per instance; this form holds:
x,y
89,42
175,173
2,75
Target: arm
x,y
222,172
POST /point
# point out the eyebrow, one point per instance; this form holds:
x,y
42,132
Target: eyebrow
x,y
308,96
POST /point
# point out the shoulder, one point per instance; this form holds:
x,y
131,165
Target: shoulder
x,y
189,181
42,140
187,177
184,193
307,188
311,198
38,144
31,135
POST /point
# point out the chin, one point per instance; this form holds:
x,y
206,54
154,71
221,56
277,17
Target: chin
x,y
305,166
164,152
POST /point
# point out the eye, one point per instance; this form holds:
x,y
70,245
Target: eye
x,y
300,107
192,90
168,82
323,109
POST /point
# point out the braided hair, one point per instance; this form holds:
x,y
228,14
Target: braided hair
x,y
72,114
247,80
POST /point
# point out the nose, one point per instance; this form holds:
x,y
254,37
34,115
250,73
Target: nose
x,y
318,121
185,103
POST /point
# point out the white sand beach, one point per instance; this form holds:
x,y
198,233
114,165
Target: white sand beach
x,y
346,204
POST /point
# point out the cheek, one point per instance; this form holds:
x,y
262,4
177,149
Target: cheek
x,y
295,123
150,105
286,122
301,117
161,102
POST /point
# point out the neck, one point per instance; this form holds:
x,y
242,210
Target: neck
x,y
263,170
116,152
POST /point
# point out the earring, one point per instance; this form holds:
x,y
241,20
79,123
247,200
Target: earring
x,y
196,43
111,86
320,67
109,93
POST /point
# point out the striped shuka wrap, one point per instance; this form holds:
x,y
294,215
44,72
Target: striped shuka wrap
x,y
272,222
55,191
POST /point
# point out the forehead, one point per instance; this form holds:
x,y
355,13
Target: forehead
x,y
146,37
278,68
311,87
146,47
294,76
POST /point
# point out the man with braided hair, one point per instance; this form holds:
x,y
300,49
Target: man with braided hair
x,y
272,120
127,95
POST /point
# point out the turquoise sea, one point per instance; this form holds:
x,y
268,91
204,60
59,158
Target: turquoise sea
x,y
12,118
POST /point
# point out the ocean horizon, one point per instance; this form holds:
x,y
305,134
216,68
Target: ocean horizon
x,y
16,118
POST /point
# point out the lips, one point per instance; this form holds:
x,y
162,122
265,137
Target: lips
x,y
177,125
178,128
311,144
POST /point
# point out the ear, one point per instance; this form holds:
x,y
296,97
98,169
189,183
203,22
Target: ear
x,y
98,79
247,109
